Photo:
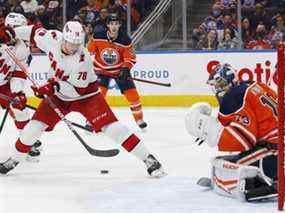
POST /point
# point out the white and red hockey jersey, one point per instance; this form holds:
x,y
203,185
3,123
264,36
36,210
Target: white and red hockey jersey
x,y
9,71
74,73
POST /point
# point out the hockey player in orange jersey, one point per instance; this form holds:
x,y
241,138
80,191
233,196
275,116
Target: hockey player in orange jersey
x,y
113,55
246,124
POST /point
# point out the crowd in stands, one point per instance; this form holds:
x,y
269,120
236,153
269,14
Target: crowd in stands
x,y
262,26
91,14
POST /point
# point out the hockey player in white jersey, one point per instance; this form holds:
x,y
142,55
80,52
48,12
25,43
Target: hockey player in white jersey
x,y
12,78
72,86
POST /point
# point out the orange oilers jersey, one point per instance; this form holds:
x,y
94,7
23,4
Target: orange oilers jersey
x,y
111,55
249,115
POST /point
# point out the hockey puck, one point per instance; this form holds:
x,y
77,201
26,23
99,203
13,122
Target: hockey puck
x,y
104,171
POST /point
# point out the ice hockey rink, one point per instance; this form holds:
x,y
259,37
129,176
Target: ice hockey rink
x,y
68,179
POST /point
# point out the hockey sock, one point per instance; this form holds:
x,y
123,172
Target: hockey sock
x,y
122,135
135,105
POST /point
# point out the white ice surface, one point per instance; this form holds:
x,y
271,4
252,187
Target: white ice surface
x,y
68,179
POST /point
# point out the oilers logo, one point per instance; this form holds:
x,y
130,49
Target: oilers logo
x,y
110,56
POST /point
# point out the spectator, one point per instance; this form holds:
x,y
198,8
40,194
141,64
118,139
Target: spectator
x,y
198,35
228,22
54,15
260,17
4,3
210,42
260,41
73,6
29,6
229,41
279,24
226,4
248,7
100,23
92,8
81,17
247,31
277,38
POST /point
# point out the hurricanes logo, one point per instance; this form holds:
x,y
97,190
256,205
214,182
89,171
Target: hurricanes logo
x,y
110,56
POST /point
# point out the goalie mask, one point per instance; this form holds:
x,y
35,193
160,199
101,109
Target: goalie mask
x,y
222,79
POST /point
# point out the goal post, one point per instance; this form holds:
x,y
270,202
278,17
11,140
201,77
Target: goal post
x,y
281,123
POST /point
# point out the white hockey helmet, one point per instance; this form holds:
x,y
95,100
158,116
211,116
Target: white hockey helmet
x,y
73,32
15,20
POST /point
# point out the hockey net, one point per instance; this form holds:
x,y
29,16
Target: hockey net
x,y
281,126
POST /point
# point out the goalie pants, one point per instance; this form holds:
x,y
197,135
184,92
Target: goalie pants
x,y
262,157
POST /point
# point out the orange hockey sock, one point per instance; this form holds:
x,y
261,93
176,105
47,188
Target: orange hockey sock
x,y
135,104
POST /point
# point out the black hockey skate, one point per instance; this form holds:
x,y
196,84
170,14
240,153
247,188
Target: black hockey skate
x,y
258,190
34,154
8,165
154,168
142,124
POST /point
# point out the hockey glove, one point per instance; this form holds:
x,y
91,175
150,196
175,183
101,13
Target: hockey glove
x,y
19,100
124,74
47,89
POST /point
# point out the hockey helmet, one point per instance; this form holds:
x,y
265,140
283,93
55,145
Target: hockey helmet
x,y
15,20
73,32
222,78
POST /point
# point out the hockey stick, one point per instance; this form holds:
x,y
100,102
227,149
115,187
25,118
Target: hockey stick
x,y
4,120
104,73
7,98
95,152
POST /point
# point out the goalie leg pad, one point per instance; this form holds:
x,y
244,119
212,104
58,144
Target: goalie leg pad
x,y
228,178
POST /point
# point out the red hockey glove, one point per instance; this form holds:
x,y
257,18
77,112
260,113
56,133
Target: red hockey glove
x,y
124,74
47,89
19,100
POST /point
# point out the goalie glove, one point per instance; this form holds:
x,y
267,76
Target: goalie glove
x,y
202,107
205,127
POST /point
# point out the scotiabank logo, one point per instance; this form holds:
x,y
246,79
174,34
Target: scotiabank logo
x,y
261,72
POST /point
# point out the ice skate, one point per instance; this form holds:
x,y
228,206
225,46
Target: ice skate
x,y
34,154
154,168
8,165
142,124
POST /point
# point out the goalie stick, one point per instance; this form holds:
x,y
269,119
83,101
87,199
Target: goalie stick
x,y
95,152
